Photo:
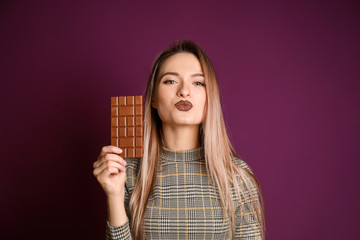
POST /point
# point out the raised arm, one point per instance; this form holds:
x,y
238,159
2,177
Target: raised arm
x,y
109,170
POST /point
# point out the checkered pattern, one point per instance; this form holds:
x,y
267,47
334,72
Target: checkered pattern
x,y
183,204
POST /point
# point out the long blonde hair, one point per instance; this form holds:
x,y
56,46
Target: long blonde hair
x,y
219,153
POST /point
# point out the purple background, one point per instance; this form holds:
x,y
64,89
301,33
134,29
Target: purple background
x,y
289,79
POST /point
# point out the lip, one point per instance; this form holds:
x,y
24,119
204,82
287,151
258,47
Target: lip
x,y
183,105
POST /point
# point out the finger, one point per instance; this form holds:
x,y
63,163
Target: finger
x,y
109,157
103,176
105,172
109,165
110,149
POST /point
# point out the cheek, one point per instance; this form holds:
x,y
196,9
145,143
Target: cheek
x,y
204,111
160,95
163,99
202,98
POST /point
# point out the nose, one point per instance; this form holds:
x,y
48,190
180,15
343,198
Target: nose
x,y
183,91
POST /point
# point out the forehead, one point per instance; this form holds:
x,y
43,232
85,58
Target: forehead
x,y
181,62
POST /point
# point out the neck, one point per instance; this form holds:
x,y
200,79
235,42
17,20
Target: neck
x,y
181,138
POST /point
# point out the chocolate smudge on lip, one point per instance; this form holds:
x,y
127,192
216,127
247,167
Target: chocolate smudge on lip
x,y
183,105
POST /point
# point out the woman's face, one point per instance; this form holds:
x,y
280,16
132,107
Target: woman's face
x,y
180,96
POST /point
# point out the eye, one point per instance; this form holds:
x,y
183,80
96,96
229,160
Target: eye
x,y
169,82
199,84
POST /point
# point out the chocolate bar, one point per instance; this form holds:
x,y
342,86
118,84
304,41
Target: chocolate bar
x,y
127,125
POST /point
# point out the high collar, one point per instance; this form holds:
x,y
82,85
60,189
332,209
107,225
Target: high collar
x,y
187,155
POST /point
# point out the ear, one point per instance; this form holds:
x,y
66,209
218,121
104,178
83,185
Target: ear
x,y
153,102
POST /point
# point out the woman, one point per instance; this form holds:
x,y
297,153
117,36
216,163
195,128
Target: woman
x,y
190,183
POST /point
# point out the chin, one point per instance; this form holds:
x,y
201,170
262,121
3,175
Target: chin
x,y
187,123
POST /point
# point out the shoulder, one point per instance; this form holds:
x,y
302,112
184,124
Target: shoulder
x,y
247,181
242,164
246,178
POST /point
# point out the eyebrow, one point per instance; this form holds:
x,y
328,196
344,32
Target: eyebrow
x,y
177,74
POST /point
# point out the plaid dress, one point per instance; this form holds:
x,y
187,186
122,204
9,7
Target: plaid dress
x,y
183,204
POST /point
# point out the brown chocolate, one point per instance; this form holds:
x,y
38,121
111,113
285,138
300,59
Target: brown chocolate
x,y
127,125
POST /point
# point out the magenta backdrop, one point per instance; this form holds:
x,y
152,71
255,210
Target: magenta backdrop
x,y
289,80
